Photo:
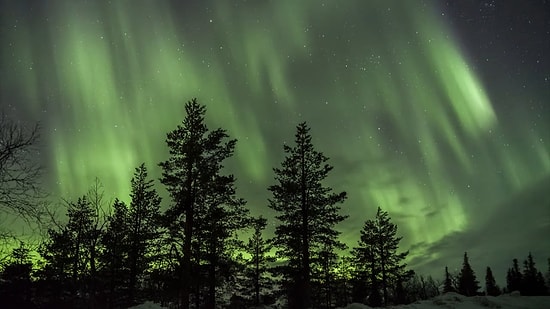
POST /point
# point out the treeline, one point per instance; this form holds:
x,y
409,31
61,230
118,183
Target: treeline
x,y
530,282
194,254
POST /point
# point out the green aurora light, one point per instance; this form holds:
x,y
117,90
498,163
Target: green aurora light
x,y
385,85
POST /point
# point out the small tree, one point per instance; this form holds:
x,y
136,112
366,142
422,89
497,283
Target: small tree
x,y
258,265
15,279
491,288
467,283
378,259
448,283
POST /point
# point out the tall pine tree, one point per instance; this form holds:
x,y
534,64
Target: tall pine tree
x,y
467,282
378,259
199,192
307,211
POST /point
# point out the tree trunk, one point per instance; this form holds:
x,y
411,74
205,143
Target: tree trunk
x,y
257,277
186,276
305,285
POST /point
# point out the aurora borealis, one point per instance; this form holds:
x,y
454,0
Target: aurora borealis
x,y
436,111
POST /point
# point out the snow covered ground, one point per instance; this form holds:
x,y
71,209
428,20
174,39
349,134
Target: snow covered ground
x,y
457,301
147,305
450,301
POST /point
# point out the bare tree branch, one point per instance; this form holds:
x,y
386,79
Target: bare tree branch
x,y
20,171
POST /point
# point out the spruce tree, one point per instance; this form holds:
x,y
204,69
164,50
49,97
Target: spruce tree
x,y
54,275
15,279
491,287
541,289
201,196
532,279
514,277
467,283
448,283
71,251
307,212
258,265
115,255
377,258
80,230
143,227
324,263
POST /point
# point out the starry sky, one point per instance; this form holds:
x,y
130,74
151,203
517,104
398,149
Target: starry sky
x,y
436,111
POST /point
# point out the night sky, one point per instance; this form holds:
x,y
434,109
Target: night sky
x,y
436,111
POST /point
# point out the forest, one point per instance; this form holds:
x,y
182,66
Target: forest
x,y
205,249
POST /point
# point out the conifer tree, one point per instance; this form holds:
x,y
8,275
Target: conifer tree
x,y
491,288
324,263
307,212
200,195
467,283
448,284
541,289
143,226
80,230
15,279
532,279
115,254
529,277
70,251
258,265
377,257
514,277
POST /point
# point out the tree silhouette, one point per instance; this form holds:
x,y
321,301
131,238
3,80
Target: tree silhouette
x,y
532,280
467,283
15,279
514,277
491,288
72,251
448,283
143,226
377,258
421,288
192,177
66,251
115,255
258,265
20,191
307,212
325,261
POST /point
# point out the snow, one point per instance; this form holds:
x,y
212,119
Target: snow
x,y
457,301
148,305
447,301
